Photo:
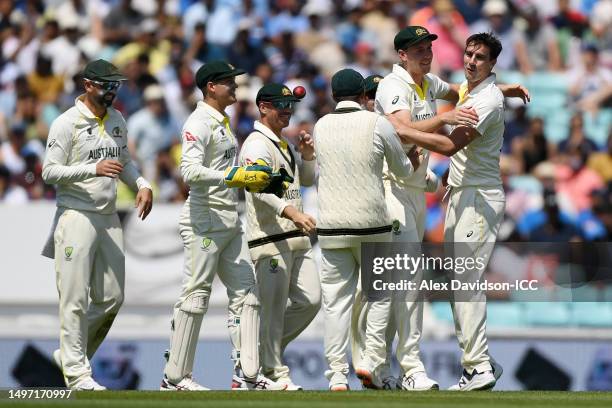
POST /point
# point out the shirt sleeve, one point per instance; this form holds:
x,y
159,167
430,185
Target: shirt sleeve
x,y
489,112
386,137
194,144
439,88
59,146
252,150
390,98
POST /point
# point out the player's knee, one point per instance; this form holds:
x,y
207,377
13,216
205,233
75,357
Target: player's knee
x,y
117,302
196,302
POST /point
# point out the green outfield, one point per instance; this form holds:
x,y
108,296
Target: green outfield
x,y
316,399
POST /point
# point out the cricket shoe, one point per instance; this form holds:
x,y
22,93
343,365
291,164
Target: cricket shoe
x,y
339,387
498,370
475,381
186,384
291,386
372,381
418,381
88,384
261,383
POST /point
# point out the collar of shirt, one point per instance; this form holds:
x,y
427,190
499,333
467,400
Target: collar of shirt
x,y
406,77
348,104
267,132
84,110
215,114
463,89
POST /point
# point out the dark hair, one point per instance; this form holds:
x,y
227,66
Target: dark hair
x,y
487,39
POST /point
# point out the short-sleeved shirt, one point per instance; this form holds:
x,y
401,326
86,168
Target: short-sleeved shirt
x,y
398,91
477,164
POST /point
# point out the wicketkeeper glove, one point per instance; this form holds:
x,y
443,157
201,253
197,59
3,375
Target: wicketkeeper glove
x,y
279,183
254,177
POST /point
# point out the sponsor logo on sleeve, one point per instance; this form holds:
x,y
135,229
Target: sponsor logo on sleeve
x,y
189,137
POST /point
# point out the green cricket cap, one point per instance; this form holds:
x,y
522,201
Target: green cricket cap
x,y
410,36
347,82
370,84
215,71
275,92
103,71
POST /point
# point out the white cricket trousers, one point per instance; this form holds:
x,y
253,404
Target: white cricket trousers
x,y
209,253
473,216
90,276
340,270
374,324
289,276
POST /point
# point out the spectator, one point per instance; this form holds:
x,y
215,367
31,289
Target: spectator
x,y
577,140
601,162
499,23
10,193
11,151
45,85
444,20
589,77
536,48
532,148
242,53
120,24
151,130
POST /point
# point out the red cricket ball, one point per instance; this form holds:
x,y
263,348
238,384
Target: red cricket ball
x,y
299,92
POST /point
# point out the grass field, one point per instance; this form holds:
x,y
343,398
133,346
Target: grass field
x,y
320,399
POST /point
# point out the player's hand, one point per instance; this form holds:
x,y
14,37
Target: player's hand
x,y
108,168
302,221
515,91
306,145
462,116
144,202
416,156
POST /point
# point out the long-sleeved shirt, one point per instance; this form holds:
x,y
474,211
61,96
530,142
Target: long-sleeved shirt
x,y
77,141
208,149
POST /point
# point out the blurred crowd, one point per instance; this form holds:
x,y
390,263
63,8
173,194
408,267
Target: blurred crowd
x,y
557,155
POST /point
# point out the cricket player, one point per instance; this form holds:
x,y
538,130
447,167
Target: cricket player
x,y
351,145
409,94
277,231
214,242
86,153
476,197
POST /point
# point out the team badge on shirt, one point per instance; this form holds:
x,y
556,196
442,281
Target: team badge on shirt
x,y
68,252
395,226
116,131
206,243
273,265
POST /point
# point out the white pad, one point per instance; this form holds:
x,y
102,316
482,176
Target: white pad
x,y
185,332
249,335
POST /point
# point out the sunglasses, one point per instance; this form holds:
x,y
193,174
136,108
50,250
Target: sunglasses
x,y
283,105
107,86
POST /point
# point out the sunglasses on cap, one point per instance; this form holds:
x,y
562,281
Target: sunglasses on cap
x,y
106,86
282,105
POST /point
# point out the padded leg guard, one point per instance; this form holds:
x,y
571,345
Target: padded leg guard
x,y
185,331
249,335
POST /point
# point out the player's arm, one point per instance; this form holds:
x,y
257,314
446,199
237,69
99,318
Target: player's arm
x,y
253,150
59,145
387,140
446,145
508,90
194,142
308,163
254,177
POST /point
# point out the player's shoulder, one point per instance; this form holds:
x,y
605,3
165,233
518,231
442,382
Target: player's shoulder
x,y
390,80
66,120
491,97
433,78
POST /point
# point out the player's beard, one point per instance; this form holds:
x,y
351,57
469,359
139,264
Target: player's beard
x,y
104,98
